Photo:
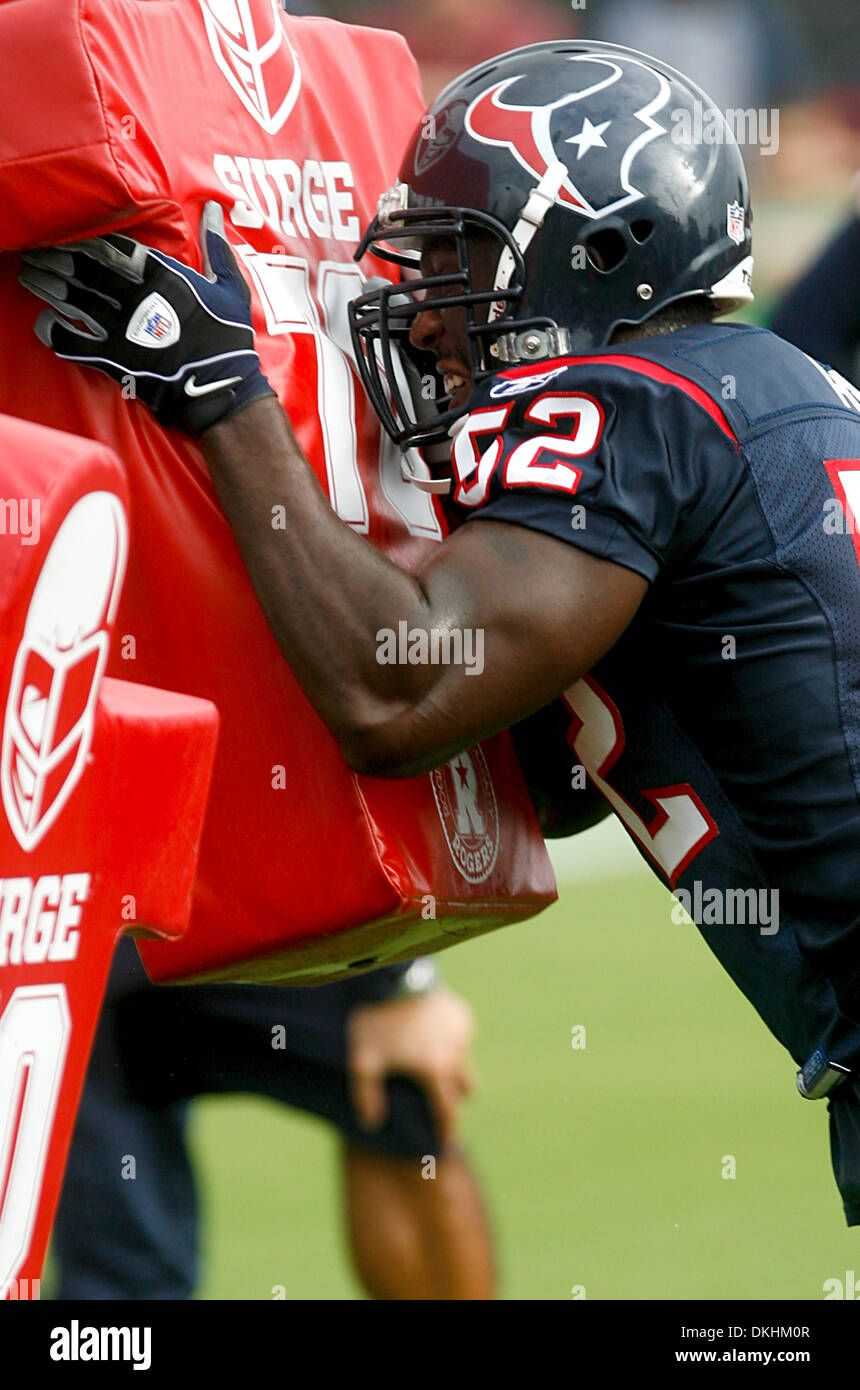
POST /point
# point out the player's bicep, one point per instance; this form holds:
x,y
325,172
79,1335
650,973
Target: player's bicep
x,y
528,615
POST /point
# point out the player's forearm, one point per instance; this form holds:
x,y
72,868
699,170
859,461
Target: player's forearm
x,y
325,591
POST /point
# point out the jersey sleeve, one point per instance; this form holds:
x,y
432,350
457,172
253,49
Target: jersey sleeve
x,y
607,458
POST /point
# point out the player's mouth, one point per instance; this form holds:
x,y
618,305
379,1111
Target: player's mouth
x,y
457,381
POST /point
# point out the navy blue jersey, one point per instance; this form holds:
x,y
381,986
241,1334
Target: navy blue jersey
x,y
724,728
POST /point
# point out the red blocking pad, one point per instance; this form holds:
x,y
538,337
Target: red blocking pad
x,y
388,869
295,125
103,786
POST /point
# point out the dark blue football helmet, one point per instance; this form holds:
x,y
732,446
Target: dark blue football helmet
x,y
609,187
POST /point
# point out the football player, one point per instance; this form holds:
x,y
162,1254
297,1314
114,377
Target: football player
x,y
649,503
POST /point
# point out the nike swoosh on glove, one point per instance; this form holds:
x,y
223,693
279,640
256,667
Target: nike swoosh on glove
x,y
182,342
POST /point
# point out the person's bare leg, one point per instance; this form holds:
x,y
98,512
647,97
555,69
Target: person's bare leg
x,y
417,1237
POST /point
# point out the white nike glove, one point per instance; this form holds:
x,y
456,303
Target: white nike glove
x,y
183,339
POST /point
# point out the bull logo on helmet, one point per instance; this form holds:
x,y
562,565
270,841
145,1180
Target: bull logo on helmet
x,y
50,712
528,130
250,46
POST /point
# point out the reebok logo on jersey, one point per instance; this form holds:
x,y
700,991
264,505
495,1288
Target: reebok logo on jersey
x,y
519,385
153,323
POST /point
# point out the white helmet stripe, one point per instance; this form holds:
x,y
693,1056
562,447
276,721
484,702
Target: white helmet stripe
x,y
530,220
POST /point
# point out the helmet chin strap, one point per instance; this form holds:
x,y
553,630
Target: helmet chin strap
x,y
531,219
414,470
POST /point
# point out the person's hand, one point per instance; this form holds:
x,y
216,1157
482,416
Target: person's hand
x,y
179,341
426,1037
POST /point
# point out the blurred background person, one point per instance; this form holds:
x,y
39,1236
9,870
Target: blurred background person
x,y
384,1058
820,313
743,54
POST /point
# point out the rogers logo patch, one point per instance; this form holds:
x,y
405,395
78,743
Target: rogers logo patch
x,y
466,802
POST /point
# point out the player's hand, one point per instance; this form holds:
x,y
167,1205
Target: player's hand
x,y
426,1037
182,341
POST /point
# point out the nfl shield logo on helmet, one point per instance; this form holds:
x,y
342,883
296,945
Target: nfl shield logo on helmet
x,y
735,222
51,709
250,46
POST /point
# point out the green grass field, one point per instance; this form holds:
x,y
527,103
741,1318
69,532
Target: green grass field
x,y
603,1165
